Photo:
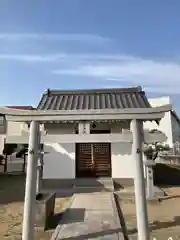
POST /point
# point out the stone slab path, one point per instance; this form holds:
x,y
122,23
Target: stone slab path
x,y
90,216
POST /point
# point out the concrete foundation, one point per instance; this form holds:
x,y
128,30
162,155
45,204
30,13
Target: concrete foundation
x,y
44,212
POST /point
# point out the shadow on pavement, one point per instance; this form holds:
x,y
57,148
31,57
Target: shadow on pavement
x,y
73,215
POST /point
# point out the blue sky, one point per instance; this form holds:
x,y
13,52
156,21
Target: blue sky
x,y
67,44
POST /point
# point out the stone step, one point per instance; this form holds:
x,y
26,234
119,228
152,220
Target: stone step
x,y
93,184
91,189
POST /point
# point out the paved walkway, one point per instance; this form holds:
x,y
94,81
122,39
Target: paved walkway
x,y
90,216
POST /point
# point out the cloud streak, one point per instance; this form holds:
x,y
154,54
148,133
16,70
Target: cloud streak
x,y
53,37
132,68
156,76
64,56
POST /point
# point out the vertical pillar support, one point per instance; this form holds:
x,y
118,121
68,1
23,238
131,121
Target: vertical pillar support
x,y
30,190
150,183
38,182
139,181
149,178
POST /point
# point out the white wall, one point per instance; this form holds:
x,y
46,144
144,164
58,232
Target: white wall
x,y
165,124
121,160
13,128
59,159
122,163
2,137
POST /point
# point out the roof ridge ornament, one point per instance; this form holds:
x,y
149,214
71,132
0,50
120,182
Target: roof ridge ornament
x,y
48,92
139,88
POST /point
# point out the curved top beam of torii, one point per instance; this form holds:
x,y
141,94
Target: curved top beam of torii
x,y
155,113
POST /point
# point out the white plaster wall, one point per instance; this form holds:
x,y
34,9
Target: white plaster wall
x,y
165,124
2,137
14,128
59,159
122,163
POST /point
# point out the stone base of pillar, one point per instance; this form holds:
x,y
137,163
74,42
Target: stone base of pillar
x,y
158,193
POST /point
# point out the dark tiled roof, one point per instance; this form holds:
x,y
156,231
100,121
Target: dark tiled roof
x,y
117,98
21,107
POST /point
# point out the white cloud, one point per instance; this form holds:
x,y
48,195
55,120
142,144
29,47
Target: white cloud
x,y
158,76
53,37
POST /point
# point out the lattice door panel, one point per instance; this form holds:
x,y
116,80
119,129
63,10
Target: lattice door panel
x,y
102,159
85,163
93,159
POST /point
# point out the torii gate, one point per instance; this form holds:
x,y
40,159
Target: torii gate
x,y
135,115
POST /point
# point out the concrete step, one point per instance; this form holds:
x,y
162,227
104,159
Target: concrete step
x,y
93,185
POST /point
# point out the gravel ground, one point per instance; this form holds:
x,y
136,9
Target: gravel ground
x,y
11,209
164,216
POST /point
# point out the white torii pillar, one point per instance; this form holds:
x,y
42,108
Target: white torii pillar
x,y
139,181
31,176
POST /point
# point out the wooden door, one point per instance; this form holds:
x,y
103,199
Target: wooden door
x,y
102,159
93,160
84,161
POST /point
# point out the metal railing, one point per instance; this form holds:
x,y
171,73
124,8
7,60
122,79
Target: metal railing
x,y
170,157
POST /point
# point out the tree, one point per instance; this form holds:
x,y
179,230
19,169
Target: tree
x,y
151,151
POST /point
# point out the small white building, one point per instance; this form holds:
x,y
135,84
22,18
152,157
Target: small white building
x,y
169,124
64,162
69,161
12,129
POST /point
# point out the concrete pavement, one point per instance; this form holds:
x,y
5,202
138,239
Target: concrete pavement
x,y
90,216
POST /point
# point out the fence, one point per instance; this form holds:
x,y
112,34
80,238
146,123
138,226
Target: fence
x,y
13,164
176,148
170,157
